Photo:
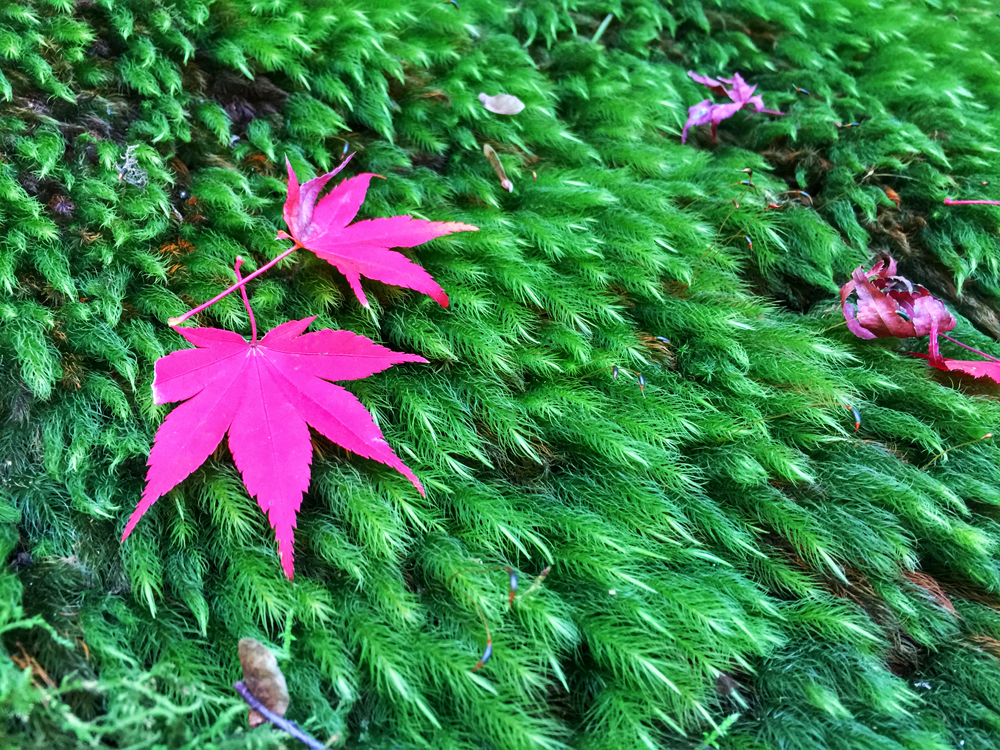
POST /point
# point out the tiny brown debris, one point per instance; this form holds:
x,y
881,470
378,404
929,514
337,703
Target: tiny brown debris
x,y
932,587
263,679
494,160
61,205
985,643
26,661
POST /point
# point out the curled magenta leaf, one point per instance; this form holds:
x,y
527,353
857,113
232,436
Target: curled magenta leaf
x,y
878,303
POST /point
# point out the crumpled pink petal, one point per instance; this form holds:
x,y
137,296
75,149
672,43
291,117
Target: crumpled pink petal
x,y
722,112
698,114
705,112
715,85
741,92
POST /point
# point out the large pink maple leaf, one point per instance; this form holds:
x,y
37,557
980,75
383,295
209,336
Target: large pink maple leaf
x,y
265,394
362,248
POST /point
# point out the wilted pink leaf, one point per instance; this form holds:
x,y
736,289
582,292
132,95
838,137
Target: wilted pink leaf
x,y
713,84
889,305
698,114
266,394
705,112
741,91
502,104
361,249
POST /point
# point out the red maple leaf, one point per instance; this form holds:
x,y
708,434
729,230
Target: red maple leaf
x,y
361,249
890,305
973,367
265,394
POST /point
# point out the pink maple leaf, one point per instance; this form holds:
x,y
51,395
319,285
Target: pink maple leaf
x,y
890,305
975,368
705,112
362,248
265,394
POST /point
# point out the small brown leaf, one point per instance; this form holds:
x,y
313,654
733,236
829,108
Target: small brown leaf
x,y
263,678
502,104
494,160
893,196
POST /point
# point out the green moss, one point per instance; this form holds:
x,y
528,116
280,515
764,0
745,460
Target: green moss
x,y
721,543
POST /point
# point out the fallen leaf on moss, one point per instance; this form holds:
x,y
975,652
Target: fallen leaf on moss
x,y
265,394
891,306
263,678
361,249
975,368
706,112
502,104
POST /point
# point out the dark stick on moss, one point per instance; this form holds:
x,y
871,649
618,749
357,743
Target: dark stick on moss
x,y
278,721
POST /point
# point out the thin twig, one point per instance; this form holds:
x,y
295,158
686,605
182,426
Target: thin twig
x,y
841,323
950,202
987,436
536,583
278,721
602,28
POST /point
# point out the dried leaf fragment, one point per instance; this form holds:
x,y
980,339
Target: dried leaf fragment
x,y
263,678
502,104
494,160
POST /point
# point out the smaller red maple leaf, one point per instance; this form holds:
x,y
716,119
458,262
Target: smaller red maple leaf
x,y
265,394
362,248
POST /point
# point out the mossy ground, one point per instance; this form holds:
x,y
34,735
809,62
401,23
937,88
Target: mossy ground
x,y
722,543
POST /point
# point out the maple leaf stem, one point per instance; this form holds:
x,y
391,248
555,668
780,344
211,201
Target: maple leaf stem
x,y
233,288
966,346
950,202
278,721
246,302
